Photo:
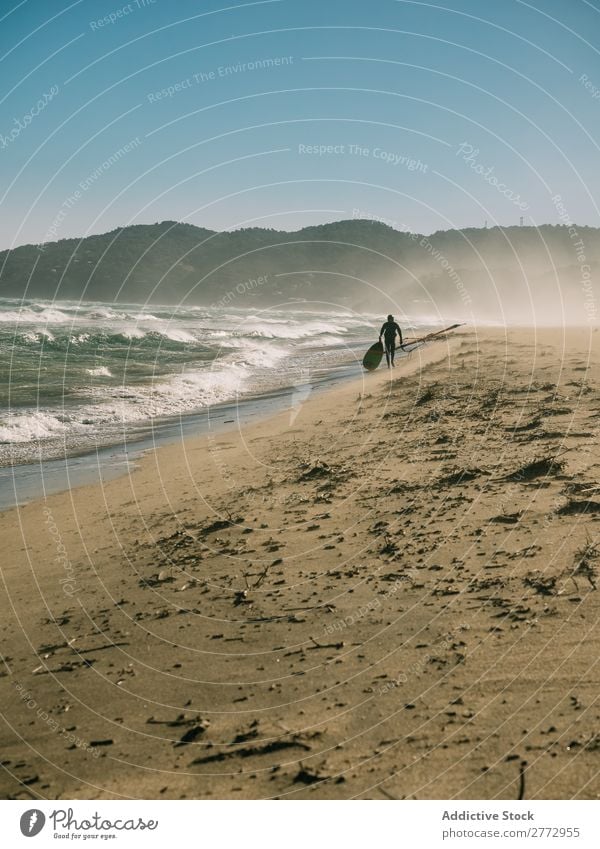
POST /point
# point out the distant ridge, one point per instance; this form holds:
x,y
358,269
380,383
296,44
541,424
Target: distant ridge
x,y
358,263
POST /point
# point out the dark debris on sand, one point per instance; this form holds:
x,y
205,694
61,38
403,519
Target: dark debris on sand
x,y
537,469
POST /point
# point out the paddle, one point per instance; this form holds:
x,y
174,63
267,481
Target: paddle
x,y
430,335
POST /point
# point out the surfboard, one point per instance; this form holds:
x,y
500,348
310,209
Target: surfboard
x,y
372,358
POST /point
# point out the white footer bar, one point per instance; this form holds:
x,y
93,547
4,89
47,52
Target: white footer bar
x,y
302,824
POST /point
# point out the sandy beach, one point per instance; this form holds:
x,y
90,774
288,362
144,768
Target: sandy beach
x,y
387,592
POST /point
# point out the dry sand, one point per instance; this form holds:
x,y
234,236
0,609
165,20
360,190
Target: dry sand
x,y
391,596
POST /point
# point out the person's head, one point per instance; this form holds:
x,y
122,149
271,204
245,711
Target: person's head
x,y
390,318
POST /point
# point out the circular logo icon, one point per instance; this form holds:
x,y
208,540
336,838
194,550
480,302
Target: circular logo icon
x,y
32,822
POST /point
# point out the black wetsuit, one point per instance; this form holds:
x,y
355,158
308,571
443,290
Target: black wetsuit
x,y
388,331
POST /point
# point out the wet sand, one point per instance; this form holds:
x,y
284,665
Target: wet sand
x,y
388,591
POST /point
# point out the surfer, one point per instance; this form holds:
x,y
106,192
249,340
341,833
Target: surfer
x,y
388,330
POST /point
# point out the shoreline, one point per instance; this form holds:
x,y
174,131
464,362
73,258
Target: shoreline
x,y
111,374
24,482
371,600
79,466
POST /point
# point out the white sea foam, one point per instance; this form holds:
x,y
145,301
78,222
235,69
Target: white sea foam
x,y
278,329
101,371
38,335
201,357
326,341
101,313
176,334
143,316
25,315
129,331
32,426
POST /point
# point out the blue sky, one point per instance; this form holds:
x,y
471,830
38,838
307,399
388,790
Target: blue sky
x,y
295,112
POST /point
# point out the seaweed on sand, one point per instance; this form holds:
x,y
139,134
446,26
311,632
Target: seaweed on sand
x,y
251,751
584,568
319,470
461,476
537,469
507,518
492,399
542,584
533,424
574,507
322,471
426,395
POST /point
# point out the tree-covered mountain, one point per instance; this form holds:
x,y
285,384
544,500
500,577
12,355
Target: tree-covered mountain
x,y
359,263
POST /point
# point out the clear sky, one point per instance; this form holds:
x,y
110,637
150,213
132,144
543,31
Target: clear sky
x,y
285,113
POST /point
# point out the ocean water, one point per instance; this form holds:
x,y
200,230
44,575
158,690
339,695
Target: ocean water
x,y
75,376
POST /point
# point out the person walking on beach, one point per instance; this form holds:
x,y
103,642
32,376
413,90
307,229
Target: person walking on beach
x,y
388,330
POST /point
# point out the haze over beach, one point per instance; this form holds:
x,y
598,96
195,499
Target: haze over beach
x,y
299,399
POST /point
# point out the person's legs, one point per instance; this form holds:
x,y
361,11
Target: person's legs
x,y
389,357
392,347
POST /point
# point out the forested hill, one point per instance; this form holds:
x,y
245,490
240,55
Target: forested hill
x,y
357,263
